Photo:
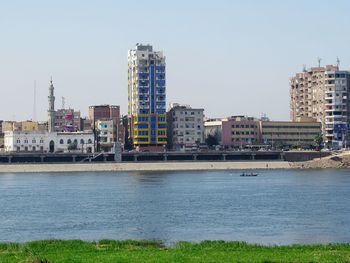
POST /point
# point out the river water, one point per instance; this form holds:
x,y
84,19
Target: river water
x,y
276,207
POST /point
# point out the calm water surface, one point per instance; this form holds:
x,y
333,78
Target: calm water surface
x,y
277,207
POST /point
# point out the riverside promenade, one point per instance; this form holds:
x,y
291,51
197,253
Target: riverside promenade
x,y
144,166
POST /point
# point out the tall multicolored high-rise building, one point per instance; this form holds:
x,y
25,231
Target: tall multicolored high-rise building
x,y
147,97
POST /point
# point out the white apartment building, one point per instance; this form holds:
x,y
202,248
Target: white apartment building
x,y
106,135
42,141
185,127
322,93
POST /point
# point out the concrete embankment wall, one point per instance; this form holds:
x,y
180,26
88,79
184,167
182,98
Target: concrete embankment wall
x,y
158,166
235,156
304,156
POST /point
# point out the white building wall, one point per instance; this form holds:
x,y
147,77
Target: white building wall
x,y
36,141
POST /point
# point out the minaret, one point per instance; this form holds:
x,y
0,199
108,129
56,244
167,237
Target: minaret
x,y
51,110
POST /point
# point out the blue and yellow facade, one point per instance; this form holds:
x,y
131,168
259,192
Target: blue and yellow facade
x,y
146,97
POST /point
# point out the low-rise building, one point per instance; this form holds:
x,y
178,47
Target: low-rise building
x,y
42,141
67,120
105,113
243,131
239,131
24,126
106,135
300,134
213,127
185,127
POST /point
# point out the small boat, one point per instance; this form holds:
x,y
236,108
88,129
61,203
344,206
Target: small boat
x,y
249,174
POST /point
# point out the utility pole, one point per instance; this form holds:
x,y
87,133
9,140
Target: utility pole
x,y
34,102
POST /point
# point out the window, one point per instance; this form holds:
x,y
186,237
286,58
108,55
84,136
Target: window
x,y
33,141
69,141
81,141
61,141
89,141
75,141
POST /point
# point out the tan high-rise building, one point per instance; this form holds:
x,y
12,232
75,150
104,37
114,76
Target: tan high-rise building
x,y
322,93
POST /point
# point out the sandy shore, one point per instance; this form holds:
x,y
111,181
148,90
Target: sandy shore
x,y
159,166
336,160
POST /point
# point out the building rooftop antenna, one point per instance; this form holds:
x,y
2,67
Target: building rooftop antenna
x,y
63,102
34,102
319,61
338,62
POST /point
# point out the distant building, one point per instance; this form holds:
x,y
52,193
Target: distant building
x,y
86,124
67,120
106,135
185,127
106,113
243,131
43,141
300,133
239,131
147,98
213,127
24,126
51,109
1,135
322,93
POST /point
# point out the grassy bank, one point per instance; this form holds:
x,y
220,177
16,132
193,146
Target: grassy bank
x,y
151,251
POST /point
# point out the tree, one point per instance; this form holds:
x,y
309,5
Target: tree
x,y
280,145
73,146
318,141
211,140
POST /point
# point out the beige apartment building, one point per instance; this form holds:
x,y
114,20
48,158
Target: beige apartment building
x,y
185,127
301,133
25,126
243,131
239,131
322,93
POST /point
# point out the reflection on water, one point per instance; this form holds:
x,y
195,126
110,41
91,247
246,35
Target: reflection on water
x,y
276,207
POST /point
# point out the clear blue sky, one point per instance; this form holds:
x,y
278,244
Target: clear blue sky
x,y
229,57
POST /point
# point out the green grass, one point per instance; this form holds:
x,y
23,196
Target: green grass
x,y
74,251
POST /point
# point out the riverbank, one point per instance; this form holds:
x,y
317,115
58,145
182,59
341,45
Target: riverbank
x,y
51,251
336,160
144,166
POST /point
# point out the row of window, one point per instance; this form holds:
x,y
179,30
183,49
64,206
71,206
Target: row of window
x,y
187,113
75,141
290,133
289,127
244,132
146,140
181,133
190,139
243,139
26,141
160,110
290,140
187,119
244,126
